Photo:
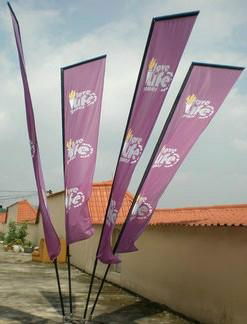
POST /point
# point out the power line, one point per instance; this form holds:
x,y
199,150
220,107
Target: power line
x,y
16,191
14,197
5,198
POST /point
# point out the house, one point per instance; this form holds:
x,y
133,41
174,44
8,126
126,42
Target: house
x,y
194,260
3,218
23,212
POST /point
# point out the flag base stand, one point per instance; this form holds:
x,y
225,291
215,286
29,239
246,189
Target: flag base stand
x,y
68,319
90,321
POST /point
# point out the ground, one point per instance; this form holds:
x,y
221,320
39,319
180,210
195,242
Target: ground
x,y
29,295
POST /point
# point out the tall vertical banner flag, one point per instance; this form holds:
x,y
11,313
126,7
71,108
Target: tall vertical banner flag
x,y
202,93
82,89
166,42
51,238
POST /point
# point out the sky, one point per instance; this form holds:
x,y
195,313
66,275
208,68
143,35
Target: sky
x,y
56,33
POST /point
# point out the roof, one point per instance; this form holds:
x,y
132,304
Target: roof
x,y
98,202
25,212
3,217
230,215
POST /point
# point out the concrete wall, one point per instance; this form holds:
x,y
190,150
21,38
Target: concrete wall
x,y
200,272
56,209
32,233
12,214
83,255
2,228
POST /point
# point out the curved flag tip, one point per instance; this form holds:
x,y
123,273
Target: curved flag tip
x,y
130,248
108,258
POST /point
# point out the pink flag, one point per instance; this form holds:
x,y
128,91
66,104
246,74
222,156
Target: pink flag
x,y
166,42
82,88
51,238
202,93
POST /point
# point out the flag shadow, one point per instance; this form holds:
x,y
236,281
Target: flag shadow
x,y
129,314
12,314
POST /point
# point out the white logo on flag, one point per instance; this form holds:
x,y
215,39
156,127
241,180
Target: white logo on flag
x,y
74,198
158,76
132,149
112,213
167,157
78,148
81,100
142,209
197,108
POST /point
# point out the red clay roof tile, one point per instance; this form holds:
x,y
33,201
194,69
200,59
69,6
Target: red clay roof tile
x,y
26,213
231,215
98,202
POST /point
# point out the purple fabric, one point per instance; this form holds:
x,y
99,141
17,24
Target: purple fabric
x,y
167,43
51,238
204,92
83,88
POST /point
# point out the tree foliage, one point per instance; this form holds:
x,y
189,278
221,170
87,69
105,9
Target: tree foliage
x,y
16,234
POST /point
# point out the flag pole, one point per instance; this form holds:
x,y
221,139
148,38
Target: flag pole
x,y
59,288
172,111
90,288
63,146
69,279
123,140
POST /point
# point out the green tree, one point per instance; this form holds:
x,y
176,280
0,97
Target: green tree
x,y
16,234
11,236
22,233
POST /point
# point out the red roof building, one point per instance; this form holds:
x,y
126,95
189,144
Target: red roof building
x,y
230,215
26,213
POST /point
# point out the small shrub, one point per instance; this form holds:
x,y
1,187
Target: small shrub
x,y
16,234
22,233
11,235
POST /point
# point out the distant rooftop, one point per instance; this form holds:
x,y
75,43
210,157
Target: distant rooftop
x,y
25,213
229,215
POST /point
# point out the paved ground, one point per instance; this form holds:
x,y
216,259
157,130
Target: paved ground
x,y
29,295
